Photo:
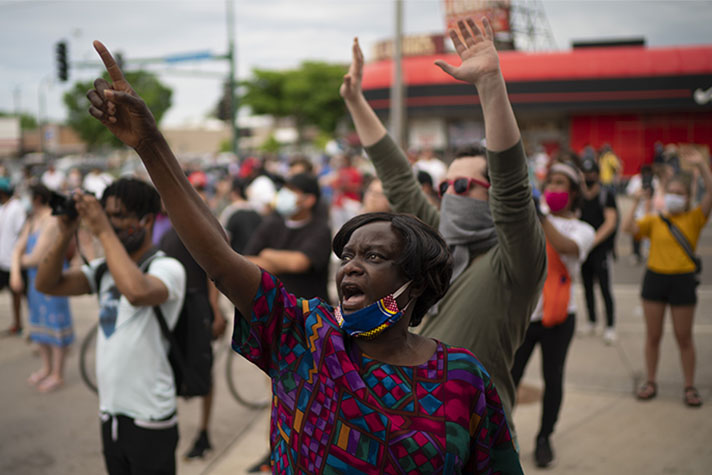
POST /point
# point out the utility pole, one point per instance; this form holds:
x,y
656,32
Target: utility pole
x,y
232,57
42,110
17,99
396,112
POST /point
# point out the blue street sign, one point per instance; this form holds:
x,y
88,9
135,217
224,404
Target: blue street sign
x,y
177,58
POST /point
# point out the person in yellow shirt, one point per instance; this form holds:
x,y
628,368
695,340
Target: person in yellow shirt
x,y
670,276
610,166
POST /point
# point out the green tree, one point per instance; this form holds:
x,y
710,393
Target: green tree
x,y
308,94
146,84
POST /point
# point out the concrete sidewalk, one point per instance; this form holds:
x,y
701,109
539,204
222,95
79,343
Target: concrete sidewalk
x,y
602,429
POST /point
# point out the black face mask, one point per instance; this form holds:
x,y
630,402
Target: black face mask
x,y
131,237
590,183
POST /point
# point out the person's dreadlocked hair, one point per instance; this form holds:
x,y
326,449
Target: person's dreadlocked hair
x,y
137,196
425,258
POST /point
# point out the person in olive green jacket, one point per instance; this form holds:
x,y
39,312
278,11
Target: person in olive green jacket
x,y
487,215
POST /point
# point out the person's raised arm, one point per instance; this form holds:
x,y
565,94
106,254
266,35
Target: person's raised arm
x,y
521,253
48,234
629,224
694,157
480,67
126,115
392,167
51,279
368,126
561,243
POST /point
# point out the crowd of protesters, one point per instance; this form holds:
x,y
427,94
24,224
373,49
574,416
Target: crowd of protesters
x,y
280,213
515,234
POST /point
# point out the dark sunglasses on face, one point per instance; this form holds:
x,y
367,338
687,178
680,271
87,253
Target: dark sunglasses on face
x,y
461,185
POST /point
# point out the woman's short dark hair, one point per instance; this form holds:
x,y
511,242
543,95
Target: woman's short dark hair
x,y
137,196
42,192
425,258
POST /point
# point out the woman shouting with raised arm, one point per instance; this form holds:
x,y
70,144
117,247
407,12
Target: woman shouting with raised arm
x,y
354,390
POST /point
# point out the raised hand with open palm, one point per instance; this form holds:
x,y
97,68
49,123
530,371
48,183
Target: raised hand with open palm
x,y
476,50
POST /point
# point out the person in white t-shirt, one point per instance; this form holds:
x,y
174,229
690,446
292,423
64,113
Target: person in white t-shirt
x,y
96,182
568,242
431,164
137,395
12,218
53,179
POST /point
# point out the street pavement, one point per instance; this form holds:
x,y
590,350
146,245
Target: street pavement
x,y
602,429
58,433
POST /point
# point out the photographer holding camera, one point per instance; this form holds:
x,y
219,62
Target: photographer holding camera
x,y
137,396
645,180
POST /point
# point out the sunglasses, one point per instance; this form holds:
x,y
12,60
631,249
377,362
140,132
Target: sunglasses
x,y
461,185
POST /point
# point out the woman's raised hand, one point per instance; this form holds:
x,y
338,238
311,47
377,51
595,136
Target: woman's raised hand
x,y
118,106
351,87
476,50
692,156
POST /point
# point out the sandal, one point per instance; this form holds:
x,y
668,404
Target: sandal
x,y
13,330
692,397
36,377
49,384
647,391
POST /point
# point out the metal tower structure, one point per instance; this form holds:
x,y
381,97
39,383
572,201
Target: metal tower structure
x,y
530,26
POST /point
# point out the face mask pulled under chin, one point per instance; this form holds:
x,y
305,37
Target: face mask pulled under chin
x,y
131,237
373,319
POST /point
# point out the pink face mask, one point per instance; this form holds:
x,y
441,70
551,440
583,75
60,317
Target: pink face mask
x,y
557,200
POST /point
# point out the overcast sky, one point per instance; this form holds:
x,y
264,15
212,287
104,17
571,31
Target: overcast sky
x,y
273,34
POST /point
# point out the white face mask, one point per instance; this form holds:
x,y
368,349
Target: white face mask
x,y
675,204
286,203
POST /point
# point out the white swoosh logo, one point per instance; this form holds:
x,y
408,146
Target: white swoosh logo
x,y
702,97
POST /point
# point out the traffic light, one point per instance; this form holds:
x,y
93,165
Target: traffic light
x,y
223,111
62,64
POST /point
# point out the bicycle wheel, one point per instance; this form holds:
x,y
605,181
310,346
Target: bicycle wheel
x,y
87,359
247,383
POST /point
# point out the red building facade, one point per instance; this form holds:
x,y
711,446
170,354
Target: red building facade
x,y
628,97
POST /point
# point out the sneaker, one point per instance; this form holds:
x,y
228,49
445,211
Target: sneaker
x,y
200,447
543,453
587,329
635,260
609,336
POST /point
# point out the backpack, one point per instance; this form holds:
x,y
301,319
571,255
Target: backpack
x,y
190,353
557,289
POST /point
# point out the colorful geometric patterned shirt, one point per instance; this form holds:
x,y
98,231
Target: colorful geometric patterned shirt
x,y
336,410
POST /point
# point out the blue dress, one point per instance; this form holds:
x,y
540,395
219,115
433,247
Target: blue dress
x,y
50,317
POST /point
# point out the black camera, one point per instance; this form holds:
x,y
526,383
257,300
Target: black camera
x,y
648,182
62,205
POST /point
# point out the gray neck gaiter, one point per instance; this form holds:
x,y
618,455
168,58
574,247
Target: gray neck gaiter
x,y
467,226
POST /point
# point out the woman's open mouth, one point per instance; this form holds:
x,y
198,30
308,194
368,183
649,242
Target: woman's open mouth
x,y
352,297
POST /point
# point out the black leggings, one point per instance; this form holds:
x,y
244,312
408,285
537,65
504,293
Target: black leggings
x,y
596,268
554,343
